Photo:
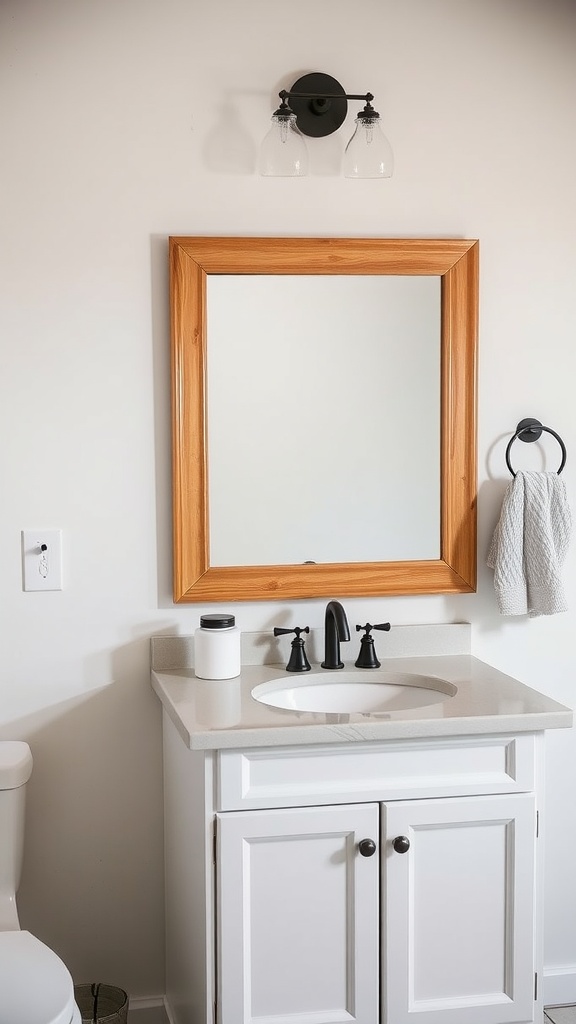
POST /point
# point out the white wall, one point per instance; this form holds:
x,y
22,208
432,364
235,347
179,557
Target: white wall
x,y
124,121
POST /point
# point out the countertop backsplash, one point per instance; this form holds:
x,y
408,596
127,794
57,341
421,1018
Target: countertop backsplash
x,y
169,653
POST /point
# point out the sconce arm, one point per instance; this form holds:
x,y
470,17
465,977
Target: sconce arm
x,y
286,94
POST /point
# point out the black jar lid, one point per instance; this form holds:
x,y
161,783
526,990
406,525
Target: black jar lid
x,y
217,621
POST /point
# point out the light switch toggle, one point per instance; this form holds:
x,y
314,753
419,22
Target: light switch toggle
x,y
41,560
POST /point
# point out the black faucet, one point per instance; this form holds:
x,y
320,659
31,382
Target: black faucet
x,y
336,629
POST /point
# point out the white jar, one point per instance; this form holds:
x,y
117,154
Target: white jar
x,y
217,647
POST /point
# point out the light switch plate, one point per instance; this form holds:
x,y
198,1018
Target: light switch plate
x,y
42,559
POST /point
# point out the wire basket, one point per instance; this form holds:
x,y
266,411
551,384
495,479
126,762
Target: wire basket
x,y
101,1004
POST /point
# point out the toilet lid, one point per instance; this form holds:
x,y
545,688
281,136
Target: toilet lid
x,y
35,986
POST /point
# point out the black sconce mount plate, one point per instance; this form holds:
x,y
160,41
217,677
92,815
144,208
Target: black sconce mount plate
x,y
323,115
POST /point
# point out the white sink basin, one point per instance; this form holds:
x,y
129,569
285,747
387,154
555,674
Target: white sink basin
x,y
361,692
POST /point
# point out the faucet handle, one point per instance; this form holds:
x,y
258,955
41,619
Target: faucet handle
x,y
367,657
298,661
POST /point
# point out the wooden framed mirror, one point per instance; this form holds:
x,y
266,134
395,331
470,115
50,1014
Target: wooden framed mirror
x,y
194,262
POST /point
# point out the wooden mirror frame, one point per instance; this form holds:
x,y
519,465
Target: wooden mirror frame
x,y
455,261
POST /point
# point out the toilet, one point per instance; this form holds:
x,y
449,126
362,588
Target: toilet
x,y
35,986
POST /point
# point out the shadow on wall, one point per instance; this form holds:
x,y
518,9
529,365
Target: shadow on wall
x,y
487,617
92,885
229,148
481,607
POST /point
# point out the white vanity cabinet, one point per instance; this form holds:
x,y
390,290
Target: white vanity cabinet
x,y
354,883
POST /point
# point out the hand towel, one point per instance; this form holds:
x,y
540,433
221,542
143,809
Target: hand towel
x,y
530,544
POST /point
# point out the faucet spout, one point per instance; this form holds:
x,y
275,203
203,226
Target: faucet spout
x,y
336,630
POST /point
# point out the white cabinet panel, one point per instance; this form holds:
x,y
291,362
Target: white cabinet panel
x,y
404,770
298,916
459,910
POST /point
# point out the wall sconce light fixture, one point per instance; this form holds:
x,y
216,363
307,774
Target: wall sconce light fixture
x,y
316,106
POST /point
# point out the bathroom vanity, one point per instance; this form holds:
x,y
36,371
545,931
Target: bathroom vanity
x,y
329,867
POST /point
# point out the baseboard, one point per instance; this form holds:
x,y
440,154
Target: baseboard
x,y
559,987
149,1010
559,990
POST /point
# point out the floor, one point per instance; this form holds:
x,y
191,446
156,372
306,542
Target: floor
x,y
560,1014
152,1015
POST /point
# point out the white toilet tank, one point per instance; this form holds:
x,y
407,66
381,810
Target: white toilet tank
x,y
15,770
35,986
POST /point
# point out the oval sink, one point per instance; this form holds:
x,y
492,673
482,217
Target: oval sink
x,y
368,692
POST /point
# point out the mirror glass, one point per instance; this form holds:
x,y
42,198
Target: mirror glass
x,y
324,417
329,450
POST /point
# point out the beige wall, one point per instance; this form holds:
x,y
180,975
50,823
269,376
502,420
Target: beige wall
x,y
124,121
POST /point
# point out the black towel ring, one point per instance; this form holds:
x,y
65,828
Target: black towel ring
x,y
533,428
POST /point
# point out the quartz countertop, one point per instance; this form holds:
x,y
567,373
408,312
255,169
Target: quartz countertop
x,y
217,714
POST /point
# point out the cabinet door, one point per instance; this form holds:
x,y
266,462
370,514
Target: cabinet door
x,y
459,910
298,916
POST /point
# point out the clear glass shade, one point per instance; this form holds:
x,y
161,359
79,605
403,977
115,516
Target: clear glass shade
x,y
368,154
283,152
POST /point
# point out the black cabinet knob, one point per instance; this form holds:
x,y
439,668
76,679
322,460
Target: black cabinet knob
x,y
401,844
367,847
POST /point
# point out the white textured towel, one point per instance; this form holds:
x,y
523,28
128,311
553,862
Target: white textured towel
x,y
530,544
